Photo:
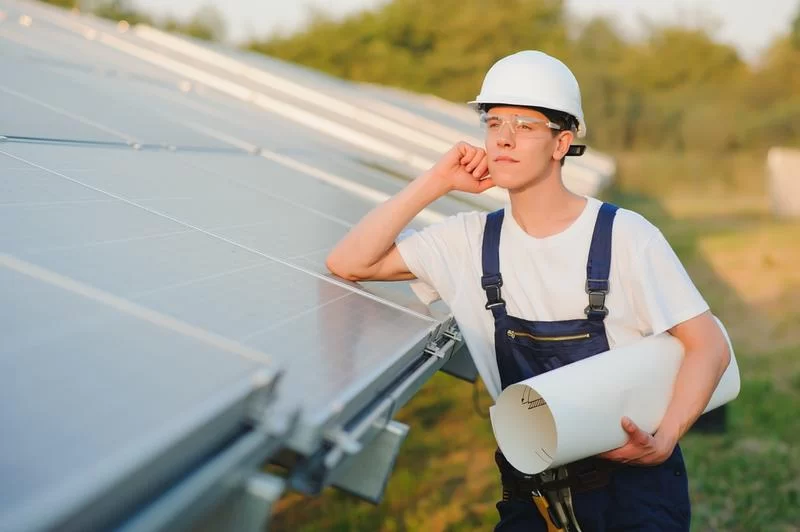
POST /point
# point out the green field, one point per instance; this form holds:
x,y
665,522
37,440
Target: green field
x,y
716,215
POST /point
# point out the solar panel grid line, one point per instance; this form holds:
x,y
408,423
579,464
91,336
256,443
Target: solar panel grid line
x,y
365,192
291,317
284,199
129,307
400,115
312,273
196,280
28,122
111,144
87,245
96,103
71,202
306,254
358,172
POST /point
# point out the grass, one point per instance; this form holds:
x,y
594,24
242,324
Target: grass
x,y
746,479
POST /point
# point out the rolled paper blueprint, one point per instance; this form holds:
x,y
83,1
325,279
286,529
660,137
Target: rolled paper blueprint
x,y
575,411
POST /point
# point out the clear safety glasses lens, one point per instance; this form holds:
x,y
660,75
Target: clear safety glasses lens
x,y
520,125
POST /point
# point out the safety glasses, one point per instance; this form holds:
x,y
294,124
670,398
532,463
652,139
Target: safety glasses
x,y
521,126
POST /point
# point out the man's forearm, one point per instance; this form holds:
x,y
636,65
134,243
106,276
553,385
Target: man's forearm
x,y
697,379
374,235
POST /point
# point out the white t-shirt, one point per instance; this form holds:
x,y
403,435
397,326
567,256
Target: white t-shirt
x,y
544,278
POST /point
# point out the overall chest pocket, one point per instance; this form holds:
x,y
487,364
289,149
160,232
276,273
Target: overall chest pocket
x,y
564,343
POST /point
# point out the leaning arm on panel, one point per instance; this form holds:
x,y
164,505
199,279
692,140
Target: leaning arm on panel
x,y
368,251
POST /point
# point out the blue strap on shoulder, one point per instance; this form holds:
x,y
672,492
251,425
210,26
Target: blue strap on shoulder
x,y
490,258
598,265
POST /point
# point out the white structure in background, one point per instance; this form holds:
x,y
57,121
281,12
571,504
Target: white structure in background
x,y
783,181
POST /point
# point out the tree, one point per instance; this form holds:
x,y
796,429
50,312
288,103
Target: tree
x,y
442,47
121,10
69,4
207,24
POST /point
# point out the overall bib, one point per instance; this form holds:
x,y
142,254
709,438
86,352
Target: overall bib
x,y
606,495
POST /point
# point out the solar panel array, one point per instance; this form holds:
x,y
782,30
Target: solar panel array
x,y
168,323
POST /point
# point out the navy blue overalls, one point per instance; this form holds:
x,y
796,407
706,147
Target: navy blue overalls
x,y
631,498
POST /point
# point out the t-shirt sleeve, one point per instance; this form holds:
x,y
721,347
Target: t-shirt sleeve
x,y
666,295
436,254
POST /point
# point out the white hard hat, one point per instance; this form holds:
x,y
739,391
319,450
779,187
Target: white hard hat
x,y
533,79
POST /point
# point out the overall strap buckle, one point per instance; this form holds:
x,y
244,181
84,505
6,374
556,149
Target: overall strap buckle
x,y
491,285
597,290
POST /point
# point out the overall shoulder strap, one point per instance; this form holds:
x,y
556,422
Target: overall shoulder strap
x,y
490,259
598,265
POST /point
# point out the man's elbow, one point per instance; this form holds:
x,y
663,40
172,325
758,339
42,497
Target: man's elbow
x,y
340,269
717,351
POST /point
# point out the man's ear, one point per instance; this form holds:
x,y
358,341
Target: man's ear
x,y
563,141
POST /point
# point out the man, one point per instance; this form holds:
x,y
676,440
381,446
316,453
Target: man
x,y
553,278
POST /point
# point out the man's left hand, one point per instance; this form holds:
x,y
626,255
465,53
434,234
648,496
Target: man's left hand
x,y
642,448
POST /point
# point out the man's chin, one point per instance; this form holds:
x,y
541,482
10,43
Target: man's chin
x,y
507,182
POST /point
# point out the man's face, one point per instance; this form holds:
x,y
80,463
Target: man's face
x,y
519,146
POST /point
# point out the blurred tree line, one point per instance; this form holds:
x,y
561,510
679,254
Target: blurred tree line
x,y
207,22
676,90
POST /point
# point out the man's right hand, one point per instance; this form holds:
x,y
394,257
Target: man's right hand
x,y
464,168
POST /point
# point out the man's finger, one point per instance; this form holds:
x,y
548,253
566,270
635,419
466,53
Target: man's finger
x,y
475,160
637,435
629,426
467,152
616,455
478,156
482,169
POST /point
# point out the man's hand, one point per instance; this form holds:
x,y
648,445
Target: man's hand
x,y
642,448
465,168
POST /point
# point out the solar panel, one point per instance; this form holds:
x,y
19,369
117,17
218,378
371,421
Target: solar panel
x,y
168,322
164,300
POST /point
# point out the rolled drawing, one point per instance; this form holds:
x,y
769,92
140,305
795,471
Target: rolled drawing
x,y
575,411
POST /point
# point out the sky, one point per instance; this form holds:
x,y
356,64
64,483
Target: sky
x,y
750,25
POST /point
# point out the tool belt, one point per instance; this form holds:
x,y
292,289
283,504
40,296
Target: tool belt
x,y
582,476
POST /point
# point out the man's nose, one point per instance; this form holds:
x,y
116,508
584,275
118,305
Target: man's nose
x,y
505,137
